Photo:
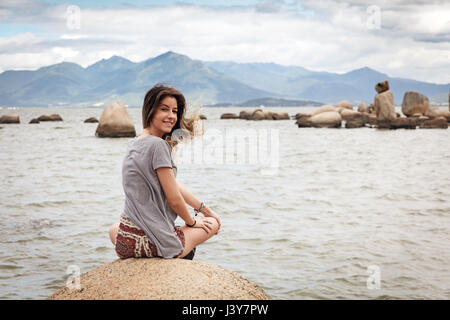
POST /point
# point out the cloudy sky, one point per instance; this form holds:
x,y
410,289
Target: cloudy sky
x,y
409,39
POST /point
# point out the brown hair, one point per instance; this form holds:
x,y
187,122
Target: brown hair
x,y
152,101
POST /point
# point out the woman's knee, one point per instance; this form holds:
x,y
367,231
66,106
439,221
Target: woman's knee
x,y
113,232
214,225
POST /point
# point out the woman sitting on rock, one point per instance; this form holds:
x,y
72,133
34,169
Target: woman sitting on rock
x,y
153,198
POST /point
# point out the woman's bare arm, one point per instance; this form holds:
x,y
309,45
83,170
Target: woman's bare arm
x,y
196,203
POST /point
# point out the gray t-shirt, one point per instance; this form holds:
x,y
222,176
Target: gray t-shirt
x,y
145,202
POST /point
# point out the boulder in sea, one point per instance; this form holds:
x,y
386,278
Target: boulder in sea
x,y
34,120
229,115
435,112
344,104
436,123
203,117
161,279
324,108
347,114
415,102
50,117
115,122
91,120
258,114
245,114
403,123
280,116
10,118
329,119
304,122
382,86
363,108
384,106
301,115
372,119
355,123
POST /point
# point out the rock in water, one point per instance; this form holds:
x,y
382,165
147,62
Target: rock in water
x,y
344,104
324,108
50,117
384,106
115,122
414,102
330,119
363,108
161,279
229,115
10,118
91,120
382,86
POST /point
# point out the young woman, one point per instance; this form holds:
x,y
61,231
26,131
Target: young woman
x,y
153,197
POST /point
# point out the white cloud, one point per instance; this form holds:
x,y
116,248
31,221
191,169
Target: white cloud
x,y
411,42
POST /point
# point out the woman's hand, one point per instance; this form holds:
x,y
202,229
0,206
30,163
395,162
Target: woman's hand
x,y
205,224
208,212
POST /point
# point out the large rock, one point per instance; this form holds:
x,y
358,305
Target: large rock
x,y
91,120
363,108
10,118
258,114
403,123
245,114
382,86
115,122
344,104
229,115
435,112
161,279
330,119
437,123
324,108
280,116
50,117
304,122
384,106
414,102
347,114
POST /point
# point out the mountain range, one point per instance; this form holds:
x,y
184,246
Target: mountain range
x,y
203,82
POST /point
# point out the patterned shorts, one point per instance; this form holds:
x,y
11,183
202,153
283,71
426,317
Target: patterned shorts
x,y
132,242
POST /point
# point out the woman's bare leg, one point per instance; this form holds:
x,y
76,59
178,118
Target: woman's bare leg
x,y
195,236
113,232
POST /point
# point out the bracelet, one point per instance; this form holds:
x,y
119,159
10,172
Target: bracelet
x,y
202,206
190,226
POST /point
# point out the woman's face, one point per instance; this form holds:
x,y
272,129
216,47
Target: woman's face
x,y
165,116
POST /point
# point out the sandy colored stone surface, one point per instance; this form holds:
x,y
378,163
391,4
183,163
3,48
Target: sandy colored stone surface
x,y
161,279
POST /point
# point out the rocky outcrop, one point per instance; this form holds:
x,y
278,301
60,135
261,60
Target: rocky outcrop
x,y
382,86
34,120
384,106
363,108
344,104
435,112
10,118
437,123
303,121
324,108
203,117
229,115
329,119
50,117
91,120
415,102
161,279
115,122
